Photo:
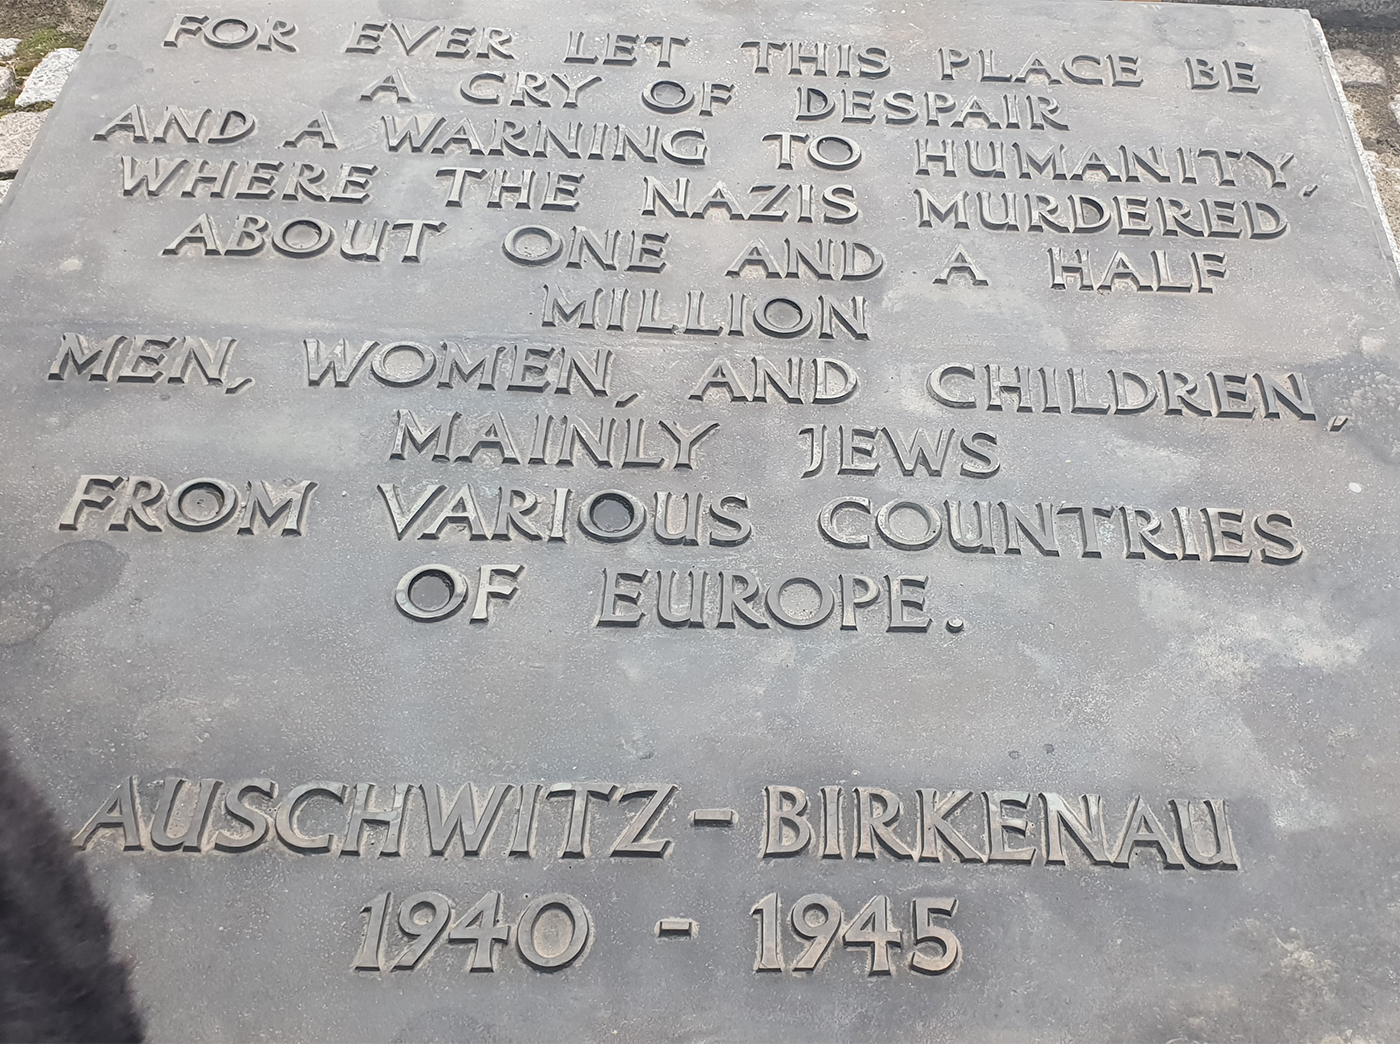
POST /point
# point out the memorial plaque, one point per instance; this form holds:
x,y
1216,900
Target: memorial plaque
x,y
717,521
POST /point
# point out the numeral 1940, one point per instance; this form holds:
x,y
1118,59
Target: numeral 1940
x,y
551,933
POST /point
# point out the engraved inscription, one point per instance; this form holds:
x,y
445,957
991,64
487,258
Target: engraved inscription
x,y
116,502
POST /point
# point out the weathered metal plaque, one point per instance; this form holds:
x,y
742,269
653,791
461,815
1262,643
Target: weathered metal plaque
x,y
719,521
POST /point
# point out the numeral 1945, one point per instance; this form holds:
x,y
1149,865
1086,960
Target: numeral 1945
x,y
818,920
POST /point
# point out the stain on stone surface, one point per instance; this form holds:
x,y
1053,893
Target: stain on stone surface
x,y
72,576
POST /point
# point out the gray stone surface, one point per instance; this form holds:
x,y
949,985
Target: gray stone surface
x,y
17,133
142,639
46,81
7,80
1356,69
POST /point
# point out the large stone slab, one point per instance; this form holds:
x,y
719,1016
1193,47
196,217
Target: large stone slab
x,y
890,509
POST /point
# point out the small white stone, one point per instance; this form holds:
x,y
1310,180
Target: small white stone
x,y
1395,107
8,46
7,81
1355,487
1355,69
48,78
17,133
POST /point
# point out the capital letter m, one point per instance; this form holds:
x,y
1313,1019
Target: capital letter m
x,y
291,502
76,353
558,308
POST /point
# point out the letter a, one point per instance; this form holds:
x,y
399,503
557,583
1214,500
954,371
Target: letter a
x,y
122,809
201,233
320,128
960,262
393,82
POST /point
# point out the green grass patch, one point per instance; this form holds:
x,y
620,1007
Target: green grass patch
x,y
30,53
33,48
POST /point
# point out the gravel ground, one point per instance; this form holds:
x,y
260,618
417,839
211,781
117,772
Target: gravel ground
x,y
27,17
1369,65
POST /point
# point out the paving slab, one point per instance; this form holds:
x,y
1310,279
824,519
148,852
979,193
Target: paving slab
x,y
46,82
17,133
1356,69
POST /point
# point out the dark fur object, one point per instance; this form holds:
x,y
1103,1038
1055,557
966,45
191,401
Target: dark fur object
x,y
58,978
